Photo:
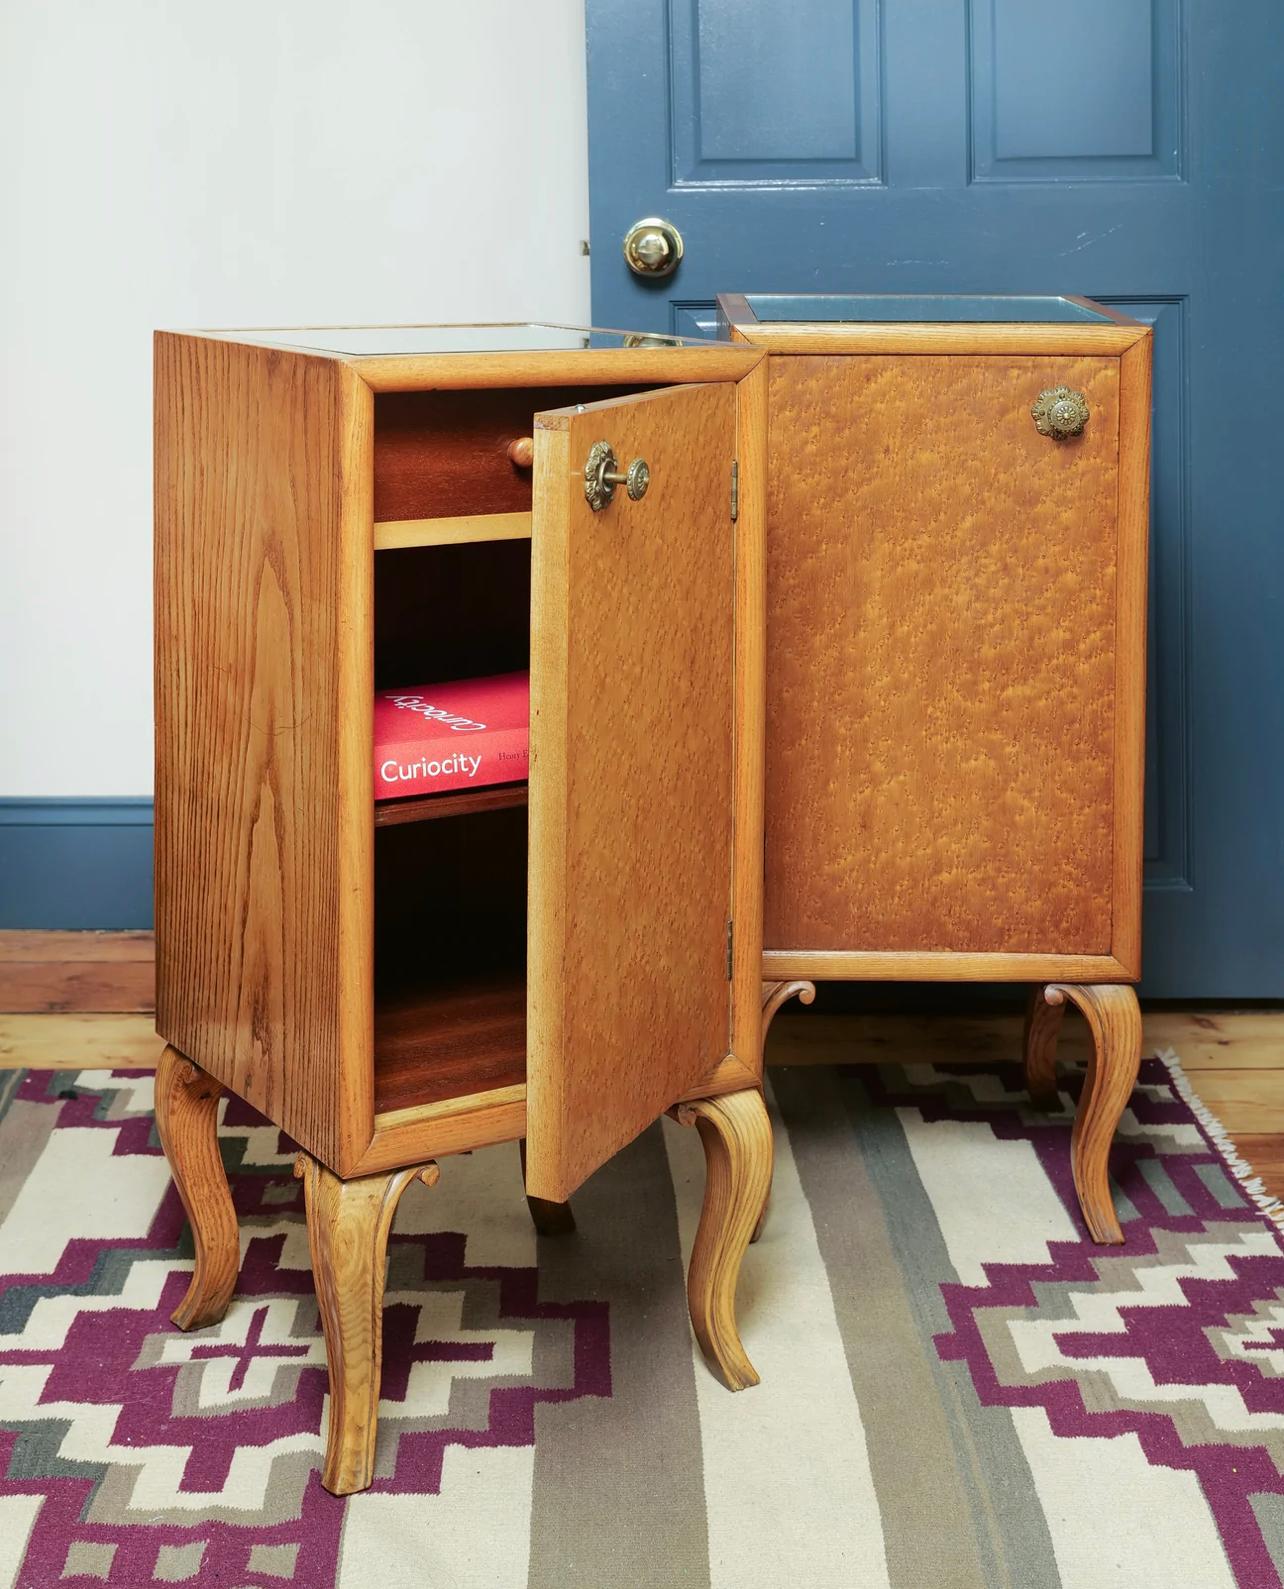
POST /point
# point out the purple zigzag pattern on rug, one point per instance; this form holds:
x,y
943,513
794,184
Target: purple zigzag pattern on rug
x,y
1172,1341
420,1453
115,1340
1229,1474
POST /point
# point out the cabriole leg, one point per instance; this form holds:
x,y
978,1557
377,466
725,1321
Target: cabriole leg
x,y
348,1227
1042,1028
187,1123
736,1134
1114,1021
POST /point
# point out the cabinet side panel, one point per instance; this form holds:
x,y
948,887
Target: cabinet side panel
x,y
941,656
263,698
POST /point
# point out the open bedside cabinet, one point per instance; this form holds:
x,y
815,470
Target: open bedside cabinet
x,y
555,964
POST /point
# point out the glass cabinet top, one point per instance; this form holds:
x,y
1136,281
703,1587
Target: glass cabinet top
x,y
415,341
929,308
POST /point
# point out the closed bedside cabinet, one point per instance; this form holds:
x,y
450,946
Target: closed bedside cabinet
x,y
553,963
958,502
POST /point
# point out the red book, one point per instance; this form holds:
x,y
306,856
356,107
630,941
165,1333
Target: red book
x,y
432,737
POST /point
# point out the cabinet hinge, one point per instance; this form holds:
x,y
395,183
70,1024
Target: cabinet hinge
x,y
731,946
735,489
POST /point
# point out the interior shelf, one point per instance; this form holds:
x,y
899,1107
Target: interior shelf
x,y
460,802
396,534
465,1035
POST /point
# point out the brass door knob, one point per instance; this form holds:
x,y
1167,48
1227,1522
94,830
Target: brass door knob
x,y
653,246
601,476
1060,412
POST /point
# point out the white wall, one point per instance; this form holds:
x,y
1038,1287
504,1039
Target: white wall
x,y
247,162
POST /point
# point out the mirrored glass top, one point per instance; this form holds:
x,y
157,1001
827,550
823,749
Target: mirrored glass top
x,y
391,341
931,308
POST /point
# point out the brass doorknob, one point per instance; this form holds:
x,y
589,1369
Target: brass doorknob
x,y
653,246
1060,412
601,476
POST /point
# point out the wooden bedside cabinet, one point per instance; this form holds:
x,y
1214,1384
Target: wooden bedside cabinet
x,y
958,504
342,510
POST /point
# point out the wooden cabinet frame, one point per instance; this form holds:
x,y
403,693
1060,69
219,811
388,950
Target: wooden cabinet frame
x,y
991,360
264,970
267,476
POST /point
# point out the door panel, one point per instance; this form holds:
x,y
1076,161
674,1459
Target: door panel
x,y
977,806
632,723
1132,152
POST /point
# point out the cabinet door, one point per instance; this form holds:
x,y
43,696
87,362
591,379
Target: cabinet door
x,y
632,745
962,616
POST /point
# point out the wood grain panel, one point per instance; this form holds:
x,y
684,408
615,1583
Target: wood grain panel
x,y
941,657
263,706
631,786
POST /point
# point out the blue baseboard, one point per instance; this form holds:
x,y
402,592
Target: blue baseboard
x,y
75,863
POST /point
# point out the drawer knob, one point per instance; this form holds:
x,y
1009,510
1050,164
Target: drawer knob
x,y
1060,412
601,476
521,452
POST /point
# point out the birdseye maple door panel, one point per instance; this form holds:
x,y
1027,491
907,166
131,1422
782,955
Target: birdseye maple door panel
x,y
633,712
941,686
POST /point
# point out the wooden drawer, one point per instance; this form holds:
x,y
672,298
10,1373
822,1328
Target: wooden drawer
x,y
445,454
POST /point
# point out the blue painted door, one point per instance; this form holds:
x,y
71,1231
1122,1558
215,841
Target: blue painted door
x,y
1128,150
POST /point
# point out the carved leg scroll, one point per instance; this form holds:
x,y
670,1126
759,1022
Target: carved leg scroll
x,y
774,995
1114,1020
348,1226
186,1121
548,1218
736,1135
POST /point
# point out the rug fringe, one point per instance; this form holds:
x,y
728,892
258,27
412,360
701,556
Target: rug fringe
x,y
1217,1134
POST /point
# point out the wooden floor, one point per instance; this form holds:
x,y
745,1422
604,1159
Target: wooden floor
x,y
72,1000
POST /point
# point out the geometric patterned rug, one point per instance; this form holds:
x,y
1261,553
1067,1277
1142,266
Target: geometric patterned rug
x,y
958,1390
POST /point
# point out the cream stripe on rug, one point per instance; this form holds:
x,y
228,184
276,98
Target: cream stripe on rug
x,y
786,1474
1111,1480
